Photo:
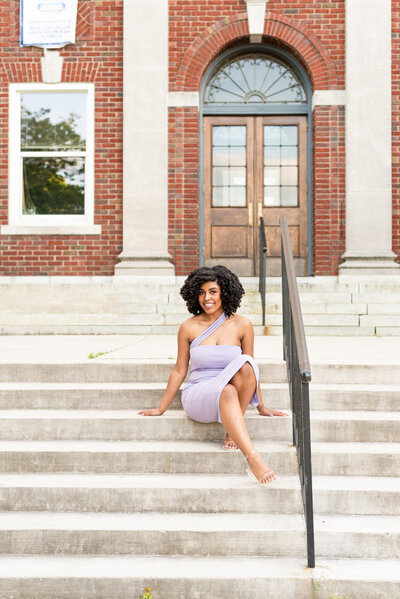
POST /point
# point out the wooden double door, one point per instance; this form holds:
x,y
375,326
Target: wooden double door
x,y
254,166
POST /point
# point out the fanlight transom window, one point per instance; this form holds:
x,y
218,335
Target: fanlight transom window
x,y
256,79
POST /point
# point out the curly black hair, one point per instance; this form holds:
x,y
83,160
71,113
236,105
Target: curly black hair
x,y
231,288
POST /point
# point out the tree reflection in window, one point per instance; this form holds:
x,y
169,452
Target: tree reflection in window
x,y
53,181
257,79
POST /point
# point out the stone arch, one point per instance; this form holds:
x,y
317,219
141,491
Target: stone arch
x,y
215,38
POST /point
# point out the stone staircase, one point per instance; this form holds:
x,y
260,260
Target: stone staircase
x,y
98,502
152,305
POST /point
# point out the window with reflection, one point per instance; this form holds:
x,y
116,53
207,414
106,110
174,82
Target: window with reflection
x,y
53,131
255,79
229,166
280,165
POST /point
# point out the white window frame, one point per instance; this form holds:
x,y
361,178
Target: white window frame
x,y
19,223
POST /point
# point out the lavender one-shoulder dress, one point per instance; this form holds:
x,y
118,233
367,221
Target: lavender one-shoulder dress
x,y
211,368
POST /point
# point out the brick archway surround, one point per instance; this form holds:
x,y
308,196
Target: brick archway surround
x,y
328,139
213,40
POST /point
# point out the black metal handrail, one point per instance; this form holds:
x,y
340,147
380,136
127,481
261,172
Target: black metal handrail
x,y
262,265
299,375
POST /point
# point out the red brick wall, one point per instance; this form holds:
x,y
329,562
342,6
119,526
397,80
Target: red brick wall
x,y
200,30
396,124
328,188
96,57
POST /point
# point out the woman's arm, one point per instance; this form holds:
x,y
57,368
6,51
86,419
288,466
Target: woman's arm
x,y
248,348
177,375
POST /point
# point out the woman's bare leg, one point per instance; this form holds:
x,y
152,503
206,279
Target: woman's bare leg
x,y
245,383
234,424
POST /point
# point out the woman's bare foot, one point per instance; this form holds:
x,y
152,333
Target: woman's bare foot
x,y
259,468
229,444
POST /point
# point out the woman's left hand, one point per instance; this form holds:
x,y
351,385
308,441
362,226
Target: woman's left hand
x,y
264,411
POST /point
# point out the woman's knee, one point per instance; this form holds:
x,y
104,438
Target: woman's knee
x,y
247,372
229,393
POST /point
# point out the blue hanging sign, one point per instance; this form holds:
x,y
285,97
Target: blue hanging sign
x,y
48,23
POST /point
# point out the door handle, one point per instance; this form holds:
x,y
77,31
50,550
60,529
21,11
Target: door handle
x,y
250,214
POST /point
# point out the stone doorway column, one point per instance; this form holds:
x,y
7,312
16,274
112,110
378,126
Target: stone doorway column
x,y
145,145
368,139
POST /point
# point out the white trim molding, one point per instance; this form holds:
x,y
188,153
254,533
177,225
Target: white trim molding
x,y
37,224
183,99
50,230
328,97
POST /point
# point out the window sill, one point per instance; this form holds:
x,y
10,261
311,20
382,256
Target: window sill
x,y
50,230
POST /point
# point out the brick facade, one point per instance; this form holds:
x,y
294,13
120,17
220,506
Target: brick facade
x,y
313,32
95,57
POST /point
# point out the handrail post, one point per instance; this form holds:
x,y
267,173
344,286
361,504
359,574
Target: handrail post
x,y
262,265
299,375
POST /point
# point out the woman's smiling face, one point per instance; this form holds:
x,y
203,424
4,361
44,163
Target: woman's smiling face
x,y
210,297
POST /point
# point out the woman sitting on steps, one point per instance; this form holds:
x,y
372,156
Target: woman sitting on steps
x,y
224,377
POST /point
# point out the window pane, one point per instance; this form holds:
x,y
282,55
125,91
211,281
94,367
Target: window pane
x,y
220,156
289,175
237,156
220,136
289,155
237,176
221,175
289,196
220,196
53,121
271,176
255,78
272,155
53,186
289,135
237,196
271,196
272,135
237,136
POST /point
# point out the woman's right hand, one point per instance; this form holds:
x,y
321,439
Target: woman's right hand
x,y
153,412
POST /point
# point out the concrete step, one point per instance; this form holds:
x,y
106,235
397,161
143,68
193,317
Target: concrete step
x,y
127,425
135,396
360,537
158,370
131,396
187,493
119,329
357,495
121,577
110,320
184,493
102,371
266,535
145,457
380,320
356,579
352,426
341,459
347,396
356,459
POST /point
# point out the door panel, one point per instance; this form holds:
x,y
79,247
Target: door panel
x,y
228,189
254,166
281,155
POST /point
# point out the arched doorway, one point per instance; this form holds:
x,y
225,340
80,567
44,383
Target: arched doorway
x,y
256,158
